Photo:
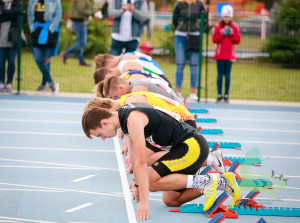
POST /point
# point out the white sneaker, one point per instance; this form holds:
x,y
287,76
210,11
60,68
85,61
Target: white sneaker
x,y
193,97
2,87
210,190
218,164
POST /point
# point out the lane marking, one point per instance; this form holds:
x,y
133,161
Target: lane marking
x,y
82,178
265,175
23,219
124,181
56,149
37,121
255,119
57,168
79,207
258,130
262,142
113,194
39,111
253,111
56,164
42,133
28,190
273,157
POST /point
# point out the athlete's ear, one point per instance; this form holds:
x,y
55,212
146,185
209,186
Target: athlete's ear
x,y
104,122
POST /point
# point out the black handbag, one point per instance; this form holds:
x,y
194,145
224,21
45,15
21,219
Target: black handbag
x,y
192,43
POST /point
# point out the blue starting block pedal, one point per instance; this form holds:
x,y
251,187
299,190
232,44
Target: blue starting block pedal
x,y
210,131
244,161
218,218
198,110
205,120
226,145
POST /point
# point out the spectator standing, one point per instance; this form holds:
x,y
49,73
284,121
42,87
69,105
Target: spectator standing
x,y
80,12
128,18
43,20
186,17
226,34
8,20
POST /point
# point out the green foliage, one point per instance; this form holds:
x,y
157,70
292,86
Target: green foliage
x,y
98,38
288,16
284,50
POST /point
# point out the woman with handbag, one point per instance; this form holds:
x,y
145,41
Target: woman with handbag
x,y
226,34
8,20
186,19
43,21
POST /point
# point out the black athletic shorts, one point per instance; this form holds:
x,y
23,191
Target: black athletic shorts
x,y
186,157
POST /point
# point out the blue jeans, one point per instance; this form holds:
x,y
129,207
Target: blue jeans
x,y
116,47
224,68
42,58
9,54
180,56
81,40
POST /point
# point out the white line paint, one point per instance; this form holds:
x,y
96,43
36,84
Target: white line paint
x,y
39,111
255,119
28,190
258,129
8,221
56,149
23,219
79,207
273,157
42,133
83,178
39,102
56,164
253,111
128,200
57,168
66,190
39,121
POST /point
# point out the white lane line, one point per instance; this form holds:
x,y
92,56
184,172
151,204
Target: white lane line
x,y
57,168
8,221
42,133
82,178
45,102
79,207
28,190
255,119
39,121
56,149
124,181
258,130
23,219
273,157
56,164
253,111
40,110
113,194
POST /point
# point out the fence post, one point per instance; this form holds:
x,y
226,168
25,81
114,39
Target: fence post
x,y
200,53
20,26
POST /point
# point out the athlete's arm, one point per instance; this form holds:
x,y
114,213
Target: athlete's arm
x,y
131,65
139,88
136,123
136,98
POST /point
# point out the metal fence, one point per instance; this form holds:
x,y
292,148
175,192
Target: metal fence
x,y
252,76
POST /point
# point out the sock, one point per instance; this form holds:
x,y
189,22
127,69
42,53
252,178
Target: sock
x,y
221,184
197,181
210,159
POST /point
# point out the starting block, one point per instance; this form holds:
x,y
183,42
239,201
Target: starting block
x,y
205,120
226,145
210,131
261,220
194,110
218,218
242,160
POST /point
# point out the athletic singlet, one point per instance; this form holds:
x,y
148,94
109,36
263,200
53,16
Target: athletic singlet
x,y
156,86
143,57
162,129
162,102
147,66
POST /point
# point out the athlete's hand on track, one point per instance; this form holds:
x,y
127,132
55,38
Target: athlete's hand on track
x,y
142,211
124,147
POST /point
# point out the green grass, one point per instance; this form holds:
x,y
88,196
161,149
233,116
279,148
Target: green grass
x,y
251,81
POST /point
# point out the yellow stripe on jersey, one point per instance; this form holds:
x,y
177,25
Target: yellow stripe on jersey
x,y
154,100
188,159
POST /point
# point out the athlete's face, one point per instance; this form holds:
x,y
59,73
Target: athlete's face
x,y
107,130
117,92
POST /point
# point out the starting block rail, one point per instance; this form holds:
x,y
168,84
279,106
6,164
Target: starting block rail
x,y
225,145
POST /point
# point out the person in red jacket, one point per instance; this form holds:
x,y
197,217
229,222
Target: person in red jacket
x,y
226,34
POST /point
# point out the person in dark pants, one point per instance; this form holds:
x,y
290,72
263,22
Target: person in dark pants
x,y
8,21
44,17
128,18
226,34
79,13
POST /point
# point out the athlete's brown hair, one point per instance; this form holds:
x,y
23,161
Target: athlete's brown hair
x,y
100,74
99,89
92,117
111,82
106,103
101,60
